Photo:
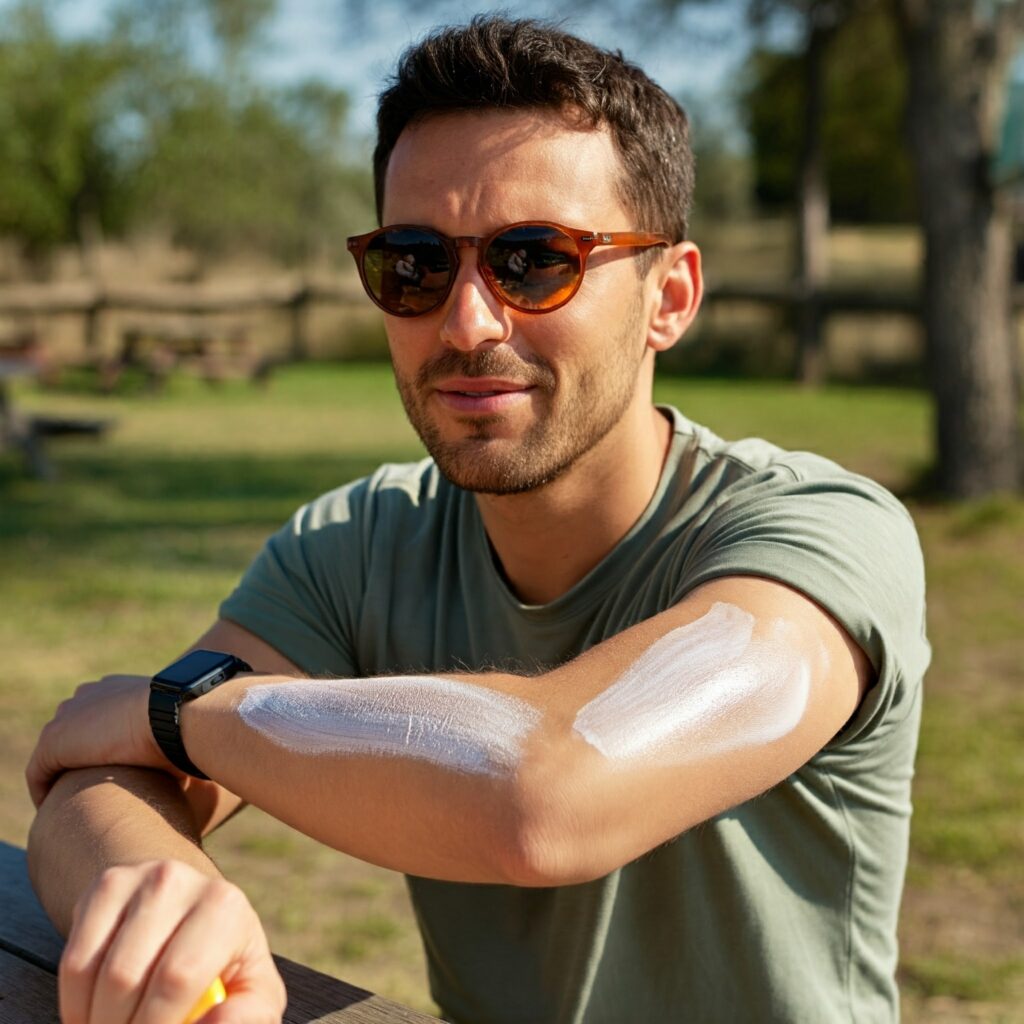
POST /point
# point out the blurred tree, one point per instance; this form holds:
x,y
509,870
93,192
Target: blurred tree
x,y
724,187
955,55
229,162
238,24
262,173
958,54
159,119
867,167
235,27
819,23
61,174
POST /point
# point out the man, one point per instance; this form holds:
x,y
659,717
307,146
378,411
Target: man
x,y
517,263
406,267
634,708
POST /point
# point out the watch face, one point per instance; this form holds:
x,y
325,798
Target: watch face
x,y
193,668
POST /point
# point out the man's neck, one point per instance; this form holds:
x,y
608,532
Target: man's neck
x,y
547,540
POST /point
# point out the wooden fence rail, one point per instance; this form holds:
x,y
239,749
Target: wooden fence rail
x,y
296,298
91,302
829,300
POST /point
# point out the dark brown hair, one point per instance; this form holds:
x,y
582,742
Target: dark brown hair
x,y
494,63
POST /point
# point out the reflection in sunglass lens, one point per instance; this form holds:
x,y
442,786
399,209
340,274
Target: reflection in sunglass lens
x,y
535,266
407,270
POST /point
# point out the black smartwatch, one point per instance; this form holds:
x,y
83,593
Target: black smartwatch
x,y
189,677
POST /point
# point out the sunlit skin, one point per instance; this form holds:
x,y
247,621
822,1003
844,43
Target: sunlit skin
x,y
573,430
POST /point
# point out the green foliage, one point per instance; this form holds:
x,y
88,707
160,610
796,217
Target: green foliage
x,y
724,182
59,164
260,171
868,170
235,28
236,23
125,130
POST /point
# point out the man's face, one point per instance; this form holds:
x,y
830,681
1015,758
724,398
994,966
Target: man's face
x,y
507,401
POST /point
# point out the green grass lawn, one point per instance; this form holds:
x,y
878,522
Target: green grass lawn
x,y
122,562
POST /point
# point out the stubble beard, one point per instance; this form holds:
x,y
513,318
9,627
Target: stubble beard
x,y
486,464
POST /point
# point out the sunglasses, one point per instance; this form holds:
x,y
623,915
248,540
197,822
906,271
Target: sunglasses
x,y
532,266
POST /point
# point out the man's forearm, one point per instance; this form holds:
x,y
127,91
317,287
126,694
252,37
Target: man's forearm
x,y
419,774
96,818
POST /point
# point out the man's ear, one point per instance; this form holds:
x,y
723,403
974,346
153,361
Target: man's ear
x,y
679,289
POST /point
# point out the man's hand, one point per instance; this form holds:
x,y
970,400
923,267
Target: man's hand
x,y
104,723
147,940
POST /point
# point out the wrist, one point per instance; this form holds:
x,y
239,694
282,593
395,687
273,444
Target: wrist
x,y
203,721
182,683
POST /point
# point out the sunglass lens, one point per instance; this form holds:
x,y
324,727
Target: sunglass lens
x,y
407,270
535,266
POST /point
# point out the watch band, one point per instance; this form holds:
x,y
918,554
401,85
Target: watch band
x,y
169,691
165,721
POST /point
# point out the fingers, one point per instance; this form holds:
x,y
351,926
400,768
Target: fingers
x,y
189,962
133,955
44,765
103,723
40,773
148,939
96,919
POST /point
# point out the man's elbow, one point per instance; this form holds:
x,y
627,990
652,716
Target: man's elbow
x,y
555,835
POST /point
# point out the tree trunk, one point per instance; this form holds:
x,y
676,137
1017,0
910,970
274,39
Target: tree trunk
x,y
89,238
957,66
812,207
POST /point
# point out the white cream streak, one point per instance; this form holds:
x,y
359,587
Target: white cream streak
x,y
458,726
703,689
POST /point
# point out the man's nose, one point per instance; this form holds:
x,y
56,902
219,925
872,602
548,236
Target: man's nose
x,y
472,315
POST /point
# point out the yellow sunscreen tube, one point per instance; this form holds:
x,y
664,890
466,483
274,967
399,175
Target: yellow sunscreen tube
x,y
211,997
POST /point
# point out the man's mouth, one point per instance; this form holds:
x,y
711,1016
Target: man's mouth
x,y
484,394
468,395
483,388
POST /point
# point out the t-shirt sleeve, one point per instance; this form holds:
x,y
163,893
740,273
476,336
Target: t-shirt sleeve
x,y
846,543
302,593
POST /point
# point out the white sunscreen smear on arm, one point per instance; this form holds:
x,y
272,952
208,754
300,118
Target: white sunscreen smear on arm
x,y
703,689
455,725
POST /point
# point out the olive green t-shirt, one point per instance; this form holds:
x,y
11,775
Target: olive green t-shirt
x,y
782,909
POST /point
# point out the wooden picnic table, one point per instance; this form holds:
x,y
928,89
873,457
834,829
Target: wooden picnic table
x,y
16,430
158,350
30,949
26,433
